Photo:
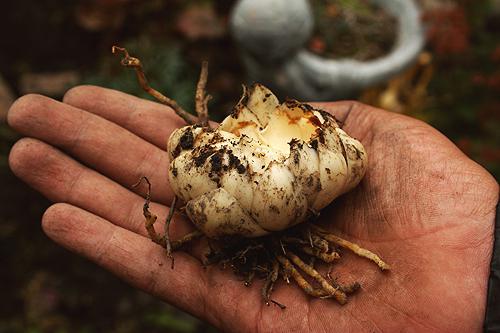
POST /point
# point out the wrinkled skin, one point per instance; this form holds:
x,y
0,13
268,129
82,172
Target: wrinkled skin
x,y
423,205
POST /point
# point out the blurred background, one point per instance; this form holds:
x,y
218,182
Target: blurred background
x,y
47,46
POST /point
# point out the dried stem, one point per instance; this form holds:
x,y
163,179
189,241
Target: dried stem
x,y
168,244
249,278
201,97
351,246
187,238
164,241
135,63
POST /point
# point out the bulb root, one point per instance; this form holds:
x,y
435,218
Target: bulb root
x,y
281,254
271,257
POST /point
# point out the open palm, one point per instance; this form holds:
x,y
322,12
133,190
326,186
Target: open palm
x,y
423,206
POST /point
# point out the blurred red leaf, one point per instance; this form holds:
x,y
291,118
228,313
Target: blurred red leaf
x,y
317,44
448,29
478,79
331,10
491,81
200,21
495,55
494,81
100,15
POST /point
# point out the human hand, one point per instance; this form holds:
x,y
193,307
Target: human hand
x,y
423,206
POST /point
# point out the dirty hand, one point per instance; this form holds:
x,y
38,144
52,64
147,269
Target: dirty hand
x,y
423,206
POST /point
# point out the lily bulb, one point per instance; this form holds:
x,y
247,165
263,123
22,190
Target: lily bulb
x,y
265,168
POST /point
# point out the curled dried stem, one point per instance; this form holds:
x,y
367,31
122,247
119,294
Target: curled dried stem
x,y
150,218
164,240
136,64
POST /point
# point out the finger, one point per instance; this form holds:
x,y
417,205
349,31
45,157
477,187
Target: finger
x,y
151,121
132,257
62,179
98,143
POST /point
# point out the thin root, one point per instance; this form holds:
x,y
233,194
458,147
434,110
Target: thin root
x,y
249,278
286,275
347,289
275,257
320,243
270,279
267,289
331,291
166,237
326,257
351,246
299,279
351,288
